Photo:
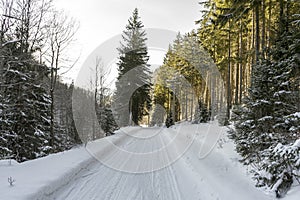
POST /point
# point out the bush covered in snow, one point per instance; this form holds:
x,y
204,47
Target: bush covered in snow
x,y
281,168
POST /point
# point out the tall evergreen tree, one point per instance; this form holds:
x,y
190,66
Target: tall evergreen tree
x,y
134,74
24,119
268,126
262,55
157,115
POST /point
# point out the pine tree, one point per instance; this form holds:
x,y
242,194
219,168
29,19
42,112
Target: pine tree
x,y
254,127
70,123
267,127
28,111
6,136
169,120
134,74
283,156
202,114
24,119
158,115
64,127
106,120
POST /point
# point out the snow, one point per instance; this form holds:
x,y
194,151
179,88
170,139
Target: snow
x,y
10,42
247,123
8,162
265,118
297,143
33,178
281,92
208,169
297,114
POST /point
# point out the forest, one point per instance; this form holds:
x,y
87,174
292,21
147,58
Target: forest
x,y
255,47
241,66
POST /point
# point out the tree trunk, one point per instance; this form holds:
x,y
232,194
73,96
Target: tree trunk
x,y
228,75
1,60
186,106
241,63
263,32
257,30
287,14
192,102
52,118
237,72
269,23
253,38
281,17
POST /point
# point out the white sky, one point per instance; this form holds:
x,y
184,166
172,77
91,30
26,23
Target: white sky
x,y
102,19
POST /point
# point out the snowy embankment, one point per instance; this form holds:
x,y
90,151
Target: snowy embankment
x,y
32,178
38,178
207,169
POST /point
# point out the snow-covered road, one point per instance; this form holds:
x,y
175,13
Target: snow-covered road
x,y
102,182
216,176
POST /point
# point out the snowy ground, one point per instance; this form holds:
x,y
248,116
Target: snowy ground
x,y
198,174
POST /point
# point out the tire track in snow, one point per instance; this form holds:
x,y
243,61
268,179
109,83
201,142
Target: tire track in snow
x,y
183,180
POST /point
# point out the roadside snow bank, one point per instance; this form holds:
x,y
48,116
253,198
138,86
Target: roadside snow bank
x,y
35,178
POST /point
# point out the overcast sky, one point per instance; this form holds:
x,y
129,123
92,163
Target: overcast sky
x,y
102,19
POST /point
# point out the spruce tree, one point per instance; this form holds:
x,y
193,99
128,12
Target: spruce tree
x,y
27,113
283,156
134,74
6,136
169,120
255,118
202,115
157,116
24,119
106,120
267,126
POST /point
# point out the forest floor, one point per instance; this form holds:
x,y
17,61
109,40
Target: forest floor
x,y
186,164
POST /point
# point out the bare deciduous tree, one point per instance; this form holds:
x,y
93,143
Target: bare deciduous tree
x,y
61,33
